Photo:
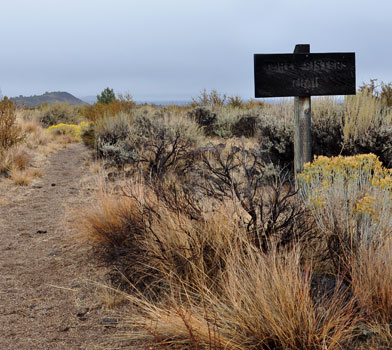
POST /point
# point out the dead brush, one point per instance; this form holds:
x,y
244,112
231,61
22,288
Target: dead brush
x,y
267,196
141,237
264,302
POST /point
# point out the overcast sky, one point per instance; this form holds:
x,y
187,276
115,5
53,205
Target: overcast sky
x,y
172,49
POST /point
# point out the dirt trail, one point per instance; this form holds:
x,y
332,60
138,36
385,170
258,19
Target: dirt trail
x,y
44,303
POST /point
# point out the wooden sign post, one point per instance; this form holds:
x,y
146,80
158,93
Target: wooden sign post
x,y
302,75
302,125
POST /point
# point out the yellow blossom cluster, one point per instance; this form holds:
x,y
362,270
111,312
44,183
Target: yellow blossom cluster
x,y
72,129
366,205
363,168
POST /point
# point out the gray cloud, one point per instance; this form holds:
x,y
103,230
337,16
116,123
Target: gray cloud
x,y
173,49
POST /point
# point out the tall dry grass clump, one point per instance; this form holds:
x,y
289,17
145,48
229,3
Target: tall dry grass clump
x,y
361,112
368,126
112,221
371,274
263,301
13,157
10,131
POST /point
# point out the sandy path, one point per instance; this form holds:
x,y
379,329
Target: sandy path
x,y
43,303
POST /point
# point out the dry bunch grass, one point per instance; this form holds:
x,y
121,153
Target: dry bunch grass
x,y
264,302
372,286
21,177
16,158
361,112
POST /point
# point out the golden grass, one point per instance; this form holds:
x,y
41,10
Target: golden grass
x,y
264,301
361,112
111,298
371,272
36,172
21,177
110,220
15,158
21,159
95,166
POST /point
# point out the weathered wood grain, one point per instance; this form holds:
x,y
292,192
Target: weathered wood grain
x,y
302,125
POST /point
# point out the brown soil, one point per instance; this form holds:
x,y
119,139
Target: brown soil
x,y
47,299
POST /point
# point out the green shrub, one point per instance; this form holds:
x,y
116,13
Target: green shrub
x,y
87,134
107,96
164,144
377,140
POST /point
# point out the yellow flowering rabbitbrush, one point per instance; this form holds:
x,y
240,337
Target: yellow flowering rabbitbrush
x,y
72,129
351,193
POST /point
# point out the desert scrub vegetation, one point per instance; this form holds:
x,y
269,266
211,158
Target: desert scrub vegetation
x,y
99,110
205,283
217,249
22,137
201,279
57,113
156,144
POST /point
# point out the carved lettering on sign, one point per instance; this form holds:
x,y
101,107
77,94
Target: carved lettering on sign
x,y
306,83
304,74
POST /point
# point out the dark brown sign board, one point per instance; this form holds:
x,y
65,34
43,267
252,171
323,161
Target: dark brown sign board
x,y
304,74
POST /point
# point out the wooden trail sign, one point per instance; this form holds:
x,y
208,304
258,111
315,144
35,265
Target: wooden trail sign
x,y
303,74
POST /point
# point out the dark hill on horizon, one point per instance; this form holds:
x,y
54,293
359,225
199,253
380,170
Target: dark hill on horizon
x,y
49,98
